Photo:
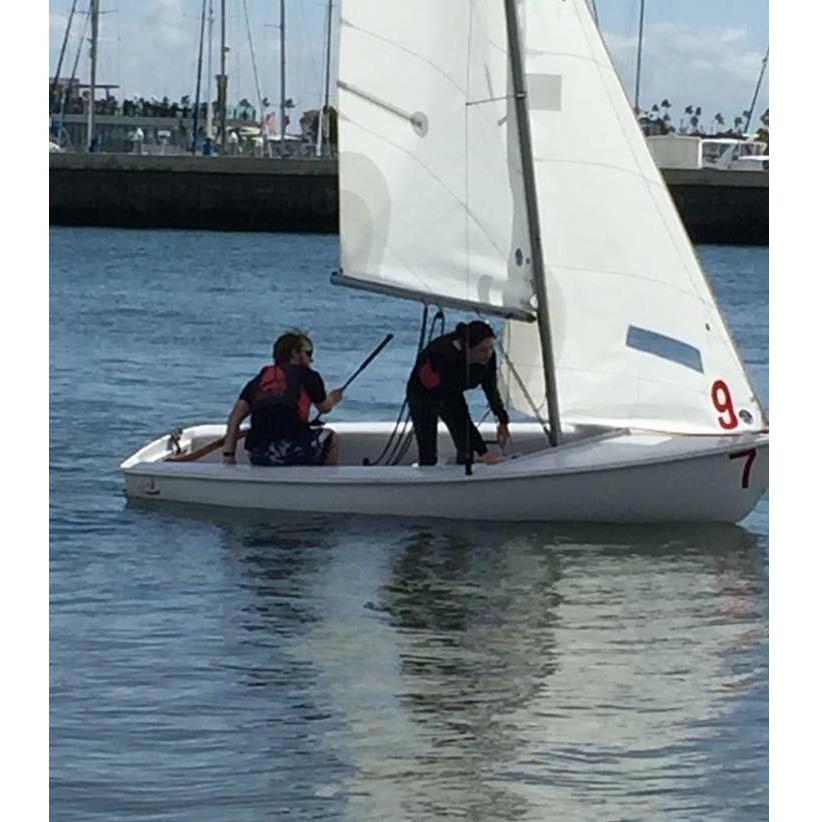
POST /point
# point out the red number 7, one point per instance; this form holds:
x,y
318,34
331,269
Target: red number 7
x,y
750,453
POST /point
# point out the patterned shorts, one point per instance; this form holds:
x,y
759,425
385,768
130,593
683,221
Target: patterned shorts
x,y
311,449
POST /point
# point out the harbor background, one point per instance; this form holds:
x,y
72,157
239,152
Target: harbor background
x,y
301,194
208,665
690,91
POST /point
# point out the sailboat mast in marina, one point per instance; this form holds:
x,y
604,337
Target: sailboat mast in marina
x,y
282,78
322,121
490,161
95,32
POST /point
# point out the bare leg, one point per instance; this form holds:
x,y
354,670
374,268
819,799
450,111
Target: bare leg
x,y
333,450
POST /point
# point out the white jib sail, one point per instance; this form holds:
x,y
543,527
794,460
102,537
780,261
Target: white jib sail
x,y
638,339
426,172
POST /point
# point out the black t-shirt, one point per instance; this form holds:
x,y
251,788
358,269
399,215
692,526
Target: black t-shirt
x,y
280,397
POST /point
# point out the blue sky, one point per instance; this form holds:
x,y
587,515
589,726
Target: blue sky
x,y
698,52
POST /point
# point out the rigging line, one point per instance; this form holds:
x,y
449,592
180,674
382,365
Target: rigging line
x,y
397,424
524,390
404,440
73,77
254,62
401,449
62,52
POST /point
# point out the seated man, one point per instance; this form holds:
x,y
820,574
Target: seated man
x,y
279,400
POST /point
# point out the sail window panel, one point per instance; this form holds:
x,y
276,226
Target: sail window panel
x,y
661,345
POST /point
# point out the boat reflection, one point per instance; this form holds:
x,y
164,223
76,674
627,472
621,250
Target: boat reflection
x,y
424,669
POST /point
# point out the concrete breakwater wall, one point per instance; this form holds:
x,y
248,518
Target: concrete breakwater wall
x,y
721,206
249,194
226,193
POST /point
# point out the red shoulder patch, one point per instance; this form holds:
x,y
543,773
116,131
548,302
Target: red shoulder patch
x,y
273,381
428,377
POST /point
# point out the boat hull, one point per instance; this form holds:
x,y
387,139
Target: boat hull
x,y
622,477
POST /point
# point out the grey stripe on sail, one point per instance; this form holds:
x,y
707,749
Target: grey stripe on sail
x,y
665,347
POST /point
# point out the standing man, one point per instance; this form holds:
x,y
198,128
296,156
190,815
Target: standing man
x,y
279,400
446,368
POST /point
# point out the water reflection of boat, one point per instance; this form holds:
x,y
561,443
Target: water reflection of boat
x,y
496,670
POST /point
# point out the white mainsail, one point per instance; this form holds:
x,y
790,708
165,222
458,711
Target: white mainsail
x,y
638,338
428,180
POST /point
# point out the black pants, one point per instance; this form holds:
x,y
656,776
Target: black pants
x,y
425,412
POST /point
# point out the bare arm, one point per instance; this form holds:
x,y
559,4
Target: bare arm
x,y
332,398
240,411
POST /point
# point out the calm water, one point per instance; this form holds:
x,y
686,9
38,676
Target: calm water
x,y
244,667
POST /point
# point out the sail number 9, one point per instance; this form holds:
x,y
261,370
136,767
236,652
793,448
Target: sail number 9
x,y
721,396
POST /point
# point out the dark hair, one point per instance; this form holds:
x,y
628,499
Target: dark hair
x,y
286,344
476,331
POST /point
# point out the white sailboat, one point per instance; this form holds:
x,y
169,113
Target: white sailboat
x,y
490,160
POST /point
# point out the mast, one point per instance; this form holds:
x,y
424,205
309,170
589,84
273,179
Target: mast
x,y
321,120
639,55
209,111
222,83
199,79
95,26
62,52
532,211
756,92
282,78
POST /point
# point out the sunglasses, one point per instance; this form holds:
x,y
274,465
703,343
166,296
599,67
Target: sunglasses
x,y
309,352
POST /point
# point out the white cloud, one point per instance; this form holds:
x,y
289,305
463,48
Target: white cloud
x,y
715,67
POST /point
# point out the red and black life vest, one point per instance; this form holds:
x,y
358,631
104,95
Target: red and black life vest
x,y
278,388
